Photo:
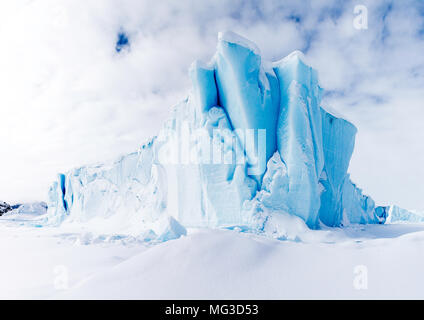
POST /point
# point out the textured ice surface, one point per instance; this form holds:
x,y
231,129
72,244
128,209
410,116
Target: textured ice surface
x,y
250,96
400,215
299,136
250,147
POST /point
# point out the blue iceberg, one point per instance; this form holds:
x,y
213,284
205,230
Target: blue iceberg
x,y
397,214
249,146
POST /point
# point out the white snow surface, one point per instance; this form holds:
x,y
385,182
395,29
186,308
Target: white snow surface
x,y
231,37
209,264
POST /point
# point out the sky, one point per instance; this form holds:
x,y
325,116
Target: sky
x,y
84,81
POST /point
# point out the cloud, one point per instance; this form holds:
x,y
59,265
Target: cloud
x,y
68,98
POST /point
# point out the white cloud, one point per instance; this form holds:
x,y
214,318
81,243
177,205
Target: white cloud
x,y
67,98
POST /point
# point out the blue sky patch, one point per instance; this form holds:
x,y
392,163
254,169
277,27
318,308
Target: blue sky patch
x,y
122,42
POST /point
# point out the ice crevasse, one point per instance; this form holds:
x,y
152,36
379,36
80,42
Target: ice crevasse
x,y
250,146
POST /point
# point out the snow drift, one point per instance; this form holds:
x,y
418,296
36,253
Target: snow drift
x,y
251,147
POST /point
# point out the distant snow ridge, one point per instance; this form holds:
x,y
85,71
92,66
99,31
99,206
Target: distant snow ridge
x,y
34,208
249,147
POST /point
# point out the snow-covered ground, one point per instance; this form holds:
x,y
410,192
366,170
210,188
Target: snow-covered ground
x,y
72,263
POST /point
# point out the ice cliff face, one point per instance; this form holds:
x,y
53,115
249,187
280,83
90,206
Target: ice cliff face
x,y
396,214
250,143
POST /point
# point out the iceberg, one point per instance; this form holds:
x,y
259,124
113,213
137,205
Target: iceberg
x,y
397,214
250,147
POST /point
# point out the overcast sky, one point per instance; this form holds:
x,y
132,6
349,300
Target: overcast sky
x,y
68,98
